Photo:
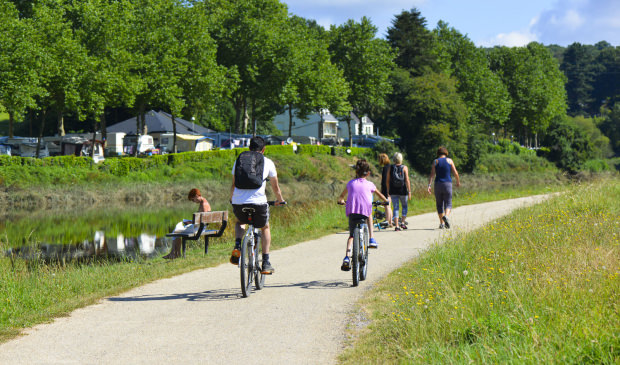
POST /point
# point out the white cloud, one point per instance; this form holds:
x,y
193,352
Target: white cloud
x,y
584,21
512,39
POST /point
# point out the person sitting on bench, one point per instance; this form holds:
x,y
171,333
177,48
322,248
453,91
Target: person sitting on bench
x,y
184,227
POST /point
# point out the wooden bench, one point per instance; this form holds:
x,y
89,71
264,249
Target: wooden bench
x,y
201,220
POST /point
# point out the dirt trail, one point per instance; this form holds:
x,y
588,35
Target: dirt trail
x,y
299,318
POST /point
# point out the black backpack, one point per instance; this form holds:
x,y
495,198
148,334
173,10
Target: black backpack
x,y
397,180
249,170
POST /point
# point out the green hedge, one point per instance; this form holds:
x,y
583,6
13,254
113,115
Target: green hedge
x,y
63,161
279,150
313,150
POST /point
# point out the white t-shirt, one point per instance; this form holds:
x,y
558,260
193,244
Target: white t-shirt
x,y
254,196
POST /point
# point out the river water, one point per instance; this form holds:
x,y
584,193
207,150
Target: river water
x,y
110,232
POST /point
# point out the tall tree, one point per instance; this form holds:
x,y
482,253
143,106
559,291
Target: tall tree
x,y
536,87
20,58
433,114
484,93
65,63
413,42
249,38
579,68
312,81
366,63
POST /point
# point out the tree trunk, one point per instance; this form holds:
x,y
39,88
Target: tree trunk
x,y
238,107
61,123
92,146
290,120
41,132
104,133
11,121
174,134
246,117
350,134
253,118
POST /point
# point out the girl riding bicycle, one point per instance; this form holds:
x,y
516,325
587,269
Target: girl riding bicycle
x,y
359,206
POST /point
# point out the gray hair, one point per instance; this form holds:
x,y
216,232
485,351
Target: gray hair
x,y
398,158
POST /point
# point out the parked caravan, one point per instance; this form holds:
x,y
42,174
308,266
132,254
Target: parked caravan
x,y
145,144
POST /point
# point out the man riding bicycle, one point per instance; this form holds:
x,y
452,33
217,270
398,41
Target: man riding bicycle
x,y
250,173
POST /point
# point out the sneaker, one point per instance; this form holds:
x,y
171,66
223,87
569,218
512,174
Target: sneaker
x,y
267,268
441,226
234,257
346,264
446,221
403,226
373,243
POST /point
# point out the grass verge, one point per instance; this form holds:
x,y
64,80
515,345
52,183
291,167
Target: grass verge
x,y
539,286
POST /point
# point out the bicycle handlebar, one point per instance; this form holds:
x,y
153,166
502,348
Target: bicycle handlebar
x,y
380,203
273,202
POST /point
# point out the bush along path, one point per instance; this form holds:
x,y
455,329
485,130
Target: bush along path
x,y
301,315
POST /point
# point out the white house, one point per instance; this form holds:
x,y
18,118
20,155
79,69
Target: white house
x,y
368,127
323,125
319,125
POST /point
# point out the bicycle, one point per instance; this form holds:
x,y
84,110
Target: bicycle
x,y
251,256
379,216
359,256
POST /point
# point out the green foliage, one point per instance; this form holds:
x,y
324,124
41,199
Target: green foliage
x,y
434,115
366,62
508,162
569,147
596,165
413,43
386,147
313,150
535,84
482,90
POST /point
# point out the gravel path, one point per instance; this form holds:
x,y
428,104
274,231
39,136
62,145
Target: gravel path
x,y
299,318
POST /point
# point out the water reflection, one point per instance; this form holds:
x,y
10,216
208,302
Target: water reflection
x,y
116,246
126,232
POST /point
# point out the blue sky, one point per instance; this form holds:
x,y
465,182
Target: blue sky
x,y
486,22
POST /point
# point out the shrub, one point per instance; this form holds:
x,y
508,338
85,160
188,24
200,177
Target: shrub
x,y
501,162
596,165
313,150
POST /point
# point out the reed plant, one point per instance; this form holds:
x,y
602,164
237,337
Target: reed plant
x,y
541,285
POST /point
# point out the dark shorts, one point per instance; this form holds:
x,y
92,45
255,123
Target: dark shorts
x,y
353,219
443,196
260,215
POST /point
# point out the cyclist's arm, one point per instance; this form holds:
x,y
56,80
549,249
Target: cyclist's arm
x,y
276,189
378,193
342,195
232,188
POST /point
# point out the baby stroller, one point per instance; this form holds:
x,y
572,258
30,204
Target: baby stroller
x,y
378,215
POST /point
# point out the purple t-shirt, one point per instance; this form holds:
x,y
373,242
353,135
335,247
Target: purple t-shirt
x,y
359,200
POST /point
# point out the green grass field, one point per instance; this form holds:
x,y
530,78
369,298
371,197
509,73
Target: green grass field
x,y
539,286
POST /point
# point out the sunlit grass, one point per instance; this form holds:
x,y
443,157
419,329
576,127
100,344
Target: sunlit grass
x,y
539,286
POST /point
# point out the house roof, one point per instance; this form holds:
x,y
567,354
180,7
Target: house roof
x,y
159,122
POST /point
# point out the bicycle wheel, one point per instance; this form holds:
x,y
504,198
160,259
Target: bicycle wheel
x,y
246,265
364,254
259,278
355,257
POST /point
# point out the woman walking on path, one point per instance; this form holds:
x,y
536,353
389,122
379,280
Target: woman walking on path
x,y
441,168
384,161
399,189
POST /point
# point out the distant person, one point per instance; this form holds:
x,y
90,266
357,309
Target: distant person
x,y
384,161
399,190
440,170
250,174
359,206
187,226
